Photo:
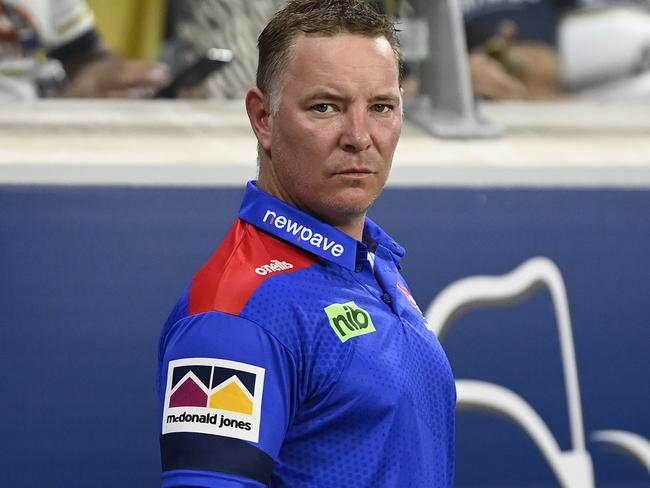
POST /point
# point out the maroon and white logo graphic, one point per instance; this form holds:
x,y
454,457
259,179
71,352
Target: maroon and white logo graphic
x,y
213,396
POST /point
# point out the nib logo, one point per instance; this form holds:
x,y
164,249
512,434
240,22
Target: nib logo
x,y
213,396
349,320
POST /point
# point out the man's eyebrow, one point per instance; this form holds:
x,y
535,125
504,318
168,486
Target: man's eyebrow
x,y
386,97
324,94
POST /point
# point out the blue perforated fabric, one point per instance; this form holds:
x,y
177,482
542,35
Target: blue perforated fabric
x,y
370,410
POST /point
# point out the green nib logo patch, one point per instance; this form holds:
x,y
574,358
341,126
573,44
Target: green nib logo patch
x,y
348,320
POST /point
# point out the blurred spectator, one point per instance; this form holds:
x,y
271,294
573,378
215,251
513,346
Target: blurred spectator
x,y
605,49
513,47
198,25
43,42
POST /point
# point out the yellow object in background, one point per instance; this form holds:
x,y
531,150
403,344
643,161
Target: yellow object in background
x,y
132,28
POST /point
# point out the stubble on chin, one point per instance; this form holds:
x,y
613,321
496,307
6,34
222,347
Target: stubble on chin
x,y
345,207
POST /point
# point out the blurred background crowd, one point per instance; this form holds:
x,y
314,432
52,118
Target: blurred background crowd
x,y
517,49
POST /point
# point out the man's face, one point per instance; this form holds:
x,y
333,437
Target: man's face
x,y
338,121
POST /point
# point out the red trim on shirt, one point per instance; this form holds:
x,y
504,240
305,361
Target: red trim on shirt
x,y
237,269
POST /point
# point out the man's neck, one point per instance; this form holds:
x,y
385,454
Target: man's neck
x,y
353,229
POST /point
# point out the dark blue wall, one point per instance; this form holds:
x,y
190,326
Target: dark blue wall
x,y
88,275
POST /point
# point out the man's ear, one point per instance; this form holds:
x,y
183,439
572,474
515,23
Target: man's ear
x,y
259,115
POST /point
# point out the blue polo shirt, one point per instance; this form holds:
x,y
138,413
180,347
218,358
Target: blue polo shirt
x,y
292,361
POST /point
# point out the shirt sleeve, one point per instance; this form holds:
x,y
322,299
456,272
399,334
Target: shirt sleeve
x,y
226,388
62,21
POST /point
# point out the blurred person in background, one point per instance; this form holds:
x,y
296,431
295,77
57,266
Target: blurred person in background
x,y
548,49
50,48
197,25
605,49
513,47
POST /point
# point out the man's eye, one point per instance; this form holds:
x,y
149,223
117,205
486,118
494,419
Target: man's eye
x,y
381,108
322,108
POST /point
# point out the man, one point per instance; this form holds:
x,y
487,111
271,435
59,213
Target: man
x,y
298,357
33,31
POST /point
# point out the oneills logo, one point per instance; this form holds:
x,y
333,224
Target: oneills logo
x,y
273,267
213,396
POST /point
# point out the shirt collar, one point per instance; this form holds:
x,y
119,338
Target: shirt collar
x,y
374,237
303,230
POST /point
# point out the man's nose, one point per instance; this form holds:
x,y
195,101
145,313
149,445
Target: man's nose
x,y
355,136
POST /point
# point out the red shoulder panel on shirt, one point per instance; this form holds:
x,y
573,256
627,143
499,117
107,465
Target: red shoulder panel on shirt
x,y
245,259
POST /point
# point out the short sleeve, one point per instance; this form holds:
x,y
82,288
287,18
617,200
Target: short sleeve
x,y
62,21
226,390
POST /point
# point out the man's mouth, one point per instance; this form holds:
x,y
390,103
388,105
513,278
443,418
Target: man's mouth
x,y
352,172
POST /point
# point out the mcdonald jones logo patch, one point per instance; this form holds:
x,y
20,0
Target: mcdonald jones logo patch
x,y
213,396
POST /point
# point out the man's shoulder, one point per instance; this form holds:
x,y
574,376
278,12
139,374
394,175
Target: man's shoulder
x,y
247,259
